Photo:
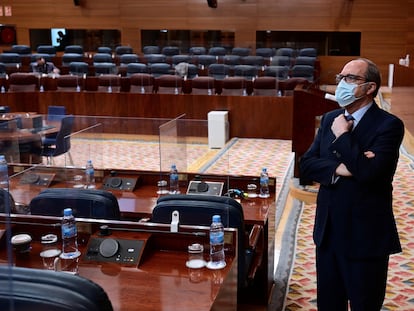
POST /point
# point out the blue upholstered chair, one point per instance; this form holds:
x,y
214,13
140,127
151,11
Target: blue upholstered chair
x,y
199,209
86,203
59,144
36,290
56,113
218,71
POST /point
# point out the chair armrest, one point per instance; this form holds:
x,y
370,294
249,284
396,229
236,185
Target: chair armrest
x,y
256,244
254,236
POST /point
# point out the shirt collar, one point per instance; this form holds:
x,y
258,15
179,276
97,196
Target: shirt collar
x,y
359,113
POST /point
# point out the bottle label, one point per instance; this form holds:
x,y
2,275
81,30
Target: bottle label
x,y
217,237
68,231
264,180
174,177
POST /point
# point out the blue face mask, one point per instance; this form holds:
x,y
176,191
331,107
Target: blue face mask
x,y
345,93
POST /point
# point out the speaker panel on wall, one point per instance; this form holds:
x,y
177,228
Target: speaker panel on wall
x,y
8,34
212,3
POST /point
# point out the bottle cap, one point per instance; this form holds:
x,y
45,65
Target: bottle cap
x,y
2,158
216,218
67,212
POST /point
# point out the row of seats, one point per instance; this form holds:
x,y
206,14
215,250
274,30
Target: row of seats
x,y
187,70
166,84
170,50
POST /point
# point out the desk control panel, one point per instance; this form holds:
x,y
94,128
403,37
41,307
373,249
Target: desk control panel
x,y
205,187
120,251
119,183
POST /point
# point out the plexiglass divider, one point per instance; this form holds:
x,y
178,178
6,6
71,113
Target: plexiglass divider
x,y
9,139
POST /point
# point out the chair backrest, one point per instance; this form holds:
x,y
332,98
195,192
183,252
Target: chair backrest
x,y
205,60
249,72
217,51
68,58
123,49
233,86
285,52
21,49
63,136
311,52
199,210
232,60
109,82
169,84
265,86
78,68
241,51
7,204
102,58
22,82
303,71
155,58
105,68
136,68
176,59
69,83
254,60
141,83
170,50
218,71
151,49
56,113
305,60
74,48
197,50
281,60
126,59
202,85
280,72
86,203
11,59
265,52
46,49
104,49
158,69
38,290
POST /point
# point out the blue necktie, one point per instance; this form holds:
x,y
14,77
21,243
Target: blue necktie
x,y
349,117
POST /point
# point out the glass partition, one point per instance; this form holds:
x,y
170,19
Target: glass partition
x,y
9,142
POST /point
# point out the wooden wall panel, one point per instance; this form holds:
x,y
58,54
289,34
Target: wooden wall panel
x,y
386,26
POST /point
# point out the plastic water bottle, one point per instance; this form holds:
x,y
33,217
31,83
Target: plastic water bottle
x,y
69,236
4,173
264,184
174,188
3,89
89,175
217,259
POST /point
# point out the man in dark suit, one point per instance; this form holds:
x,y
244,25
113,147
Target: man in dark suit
x,y
43,67
354,158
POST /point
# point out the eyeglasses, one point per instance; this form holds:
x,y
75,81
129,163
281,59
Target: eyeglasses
x,y
349,78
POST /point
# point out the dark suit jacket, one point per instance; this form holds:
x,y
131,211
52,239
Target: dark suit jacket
x,y
356,212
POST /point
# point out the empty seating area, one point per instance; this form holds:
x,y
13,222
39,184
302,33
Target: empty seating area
x,y
218,62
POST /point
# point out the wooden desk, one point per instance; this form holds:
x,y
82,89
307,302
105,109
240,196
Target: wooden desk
x,y
161,280
138,204
20,139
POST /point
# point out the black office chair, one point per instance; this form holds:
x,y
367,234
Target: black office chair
x,y
56,113
86,203
59,144
24,289
199,210
7,204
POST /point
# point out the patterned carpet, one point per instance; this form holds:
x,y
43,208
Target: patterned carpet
x,y
301,293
